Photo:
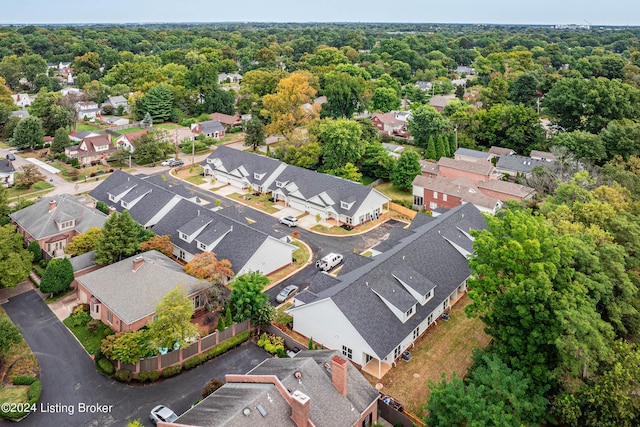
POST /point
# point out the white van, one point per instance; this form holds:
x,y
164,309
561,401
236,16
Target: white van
x,y
329,262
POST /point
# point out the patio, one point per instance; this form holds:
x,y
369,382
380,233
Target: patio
x,y
377,368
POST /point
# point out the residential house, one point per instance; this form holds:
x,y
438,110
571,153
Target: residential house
x,y
229,78
127,141
23,114
517,165
178,135
22,100
471,155
403,116
54,221
315,388
501,151
124,295
88,110
440,101
79,136
372,314
117,102
114,120
426,86
328,196
7,172
394,150
543,155
446,193
504,190
429,168
193,228
475,171
210,129
388,124
228,121
463,69
91,149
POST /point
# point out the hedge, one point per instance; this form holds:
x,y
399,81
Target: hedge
x,y
124,375
148,376
171,371
24,380
105,366
33,394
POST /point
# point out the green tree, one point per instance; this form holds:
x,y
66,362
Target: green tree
x,y
127,347
376,161
60,141
440,147
102,207
57,277
9,335
341,143
28,175
158,102
247,297
172,324
35,249
430,152
85,242
512,126
385,99
426,122
28,133
583,145
348,171
254,133
344,94
405,170
119,239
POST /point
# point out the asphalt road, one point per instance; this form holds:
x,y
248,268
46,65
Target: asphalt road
x,y
69,377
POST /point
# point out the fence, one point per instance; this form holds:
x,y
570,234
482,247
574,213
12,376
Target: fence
x,y
397,416
288,341
158,363
401,209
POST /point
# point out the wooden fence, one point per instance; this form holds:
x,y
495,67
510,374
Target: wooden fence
x,y
160,362
401,209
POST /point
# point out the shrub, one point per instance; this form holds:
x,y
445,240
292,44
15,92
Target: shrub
x,y
282,354
92,174
75,162
148,376
124,375
34,248
195,361
105,366
80,318
211,386
93,325
43,263
24,380
171,371
34,391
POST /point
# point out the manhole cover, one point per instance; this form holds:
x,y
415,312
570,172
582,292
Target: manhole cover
x,y
379,386
416,375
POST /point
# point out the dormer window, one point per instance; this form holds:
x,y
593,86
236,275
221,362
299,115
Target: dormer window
x,y
202,246
409,312
66,224
184,237
279,184
258,176
112,197
124,204
346,205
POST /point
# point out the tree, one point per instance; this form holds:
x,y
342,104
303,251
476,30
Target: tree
x,y
28,176
172,324
206,266
247,297
583,145
254,133
426,122
119,239
385,99
344,94
35,249
102,207
60,141
159,243
9,335
158,102
28,133
405,170
430,152
376,161
85,242
341,143
512,126
57,277
348,171
127,347
286,109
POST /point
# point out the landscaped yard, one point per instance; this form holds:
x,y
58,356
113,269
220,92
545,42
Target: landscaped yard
x,y
339,231
130,130
90,341
394,192
84,126
446,347
300,258
168,126
259,202
38,189
192,174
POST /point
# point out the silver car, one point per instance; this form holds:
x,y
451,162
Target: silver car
x,y
287,293
162,413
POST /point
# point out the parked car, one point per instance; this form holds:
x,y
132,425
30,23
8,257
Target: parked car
x,y
162,413
329,262
176,163
290,221
287,293
167,162
11,157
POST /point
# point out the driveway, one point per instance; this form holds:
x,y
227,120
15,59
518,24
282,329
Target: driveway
x,y
69,376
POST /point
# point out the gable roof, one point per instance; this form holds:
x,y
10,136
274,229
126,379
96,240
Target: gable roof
x,y
429,251
466,152
387,119
6,166
480,168
133,295
41,222
210,126
506,187
459,187
253,168
542,155
224,118
521,164
501,151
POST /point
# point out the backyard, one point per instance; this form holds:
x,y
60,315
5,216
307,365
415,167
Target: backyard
x,y
90,340
446,347
390,190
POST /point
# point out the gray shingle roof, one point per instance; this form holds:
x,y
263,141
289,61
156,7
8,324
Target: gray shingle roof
x,y
40,222
134,295
211,126
430,253
519,164
471,153
252,163
84,261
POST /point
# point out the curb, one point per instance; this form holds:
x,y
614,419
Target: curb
x,y
271,285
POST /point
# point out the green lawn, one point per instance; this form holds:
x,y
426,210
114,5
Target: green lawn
x,y
259,202
394,192
83,126
130,130
90,342
39,188
168,126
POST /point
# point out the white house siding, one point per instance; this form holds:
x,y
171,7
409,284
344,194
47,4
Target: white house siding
x,y
326,324
373,203
228,179
270,256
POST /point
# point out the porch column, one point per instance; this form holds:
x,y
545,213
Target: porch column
x,y
379,373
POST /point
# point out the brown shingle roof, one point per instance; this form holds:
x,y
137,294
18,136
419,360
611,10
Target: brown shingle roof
x,y
509,188
482,168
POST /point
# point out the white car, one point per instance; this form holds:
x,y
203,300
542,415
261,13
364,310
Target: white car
x,y
168,162
162,413
290,221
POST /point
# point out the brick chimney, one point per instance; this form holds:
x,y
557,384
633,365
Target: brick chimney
x,y
339,368
301,409
52,205
137,263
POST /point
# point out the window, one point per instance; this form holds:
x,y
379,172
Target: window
x,y
124,204
109,317
433,205
445,304
344,205
435,195
184,236
396,352
202,246
428,296
182,254
430,319
199,301
444,197
279,184
409,312
346,351
416,333
418,200
367,420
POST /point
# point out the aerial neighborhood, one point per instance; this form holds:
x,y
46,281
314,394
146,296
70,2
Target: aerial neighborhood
x,y
354,224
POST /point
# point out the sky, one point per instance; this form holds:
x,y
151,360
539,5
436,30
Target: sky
x,y
595,12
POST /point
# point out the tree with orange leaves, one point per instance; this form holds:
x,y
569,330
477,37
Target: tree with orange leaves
x,y
206,266
160,243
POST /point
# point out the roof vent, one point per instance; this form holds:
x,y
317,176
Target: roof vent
x,y
246,412
262,410
298,374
